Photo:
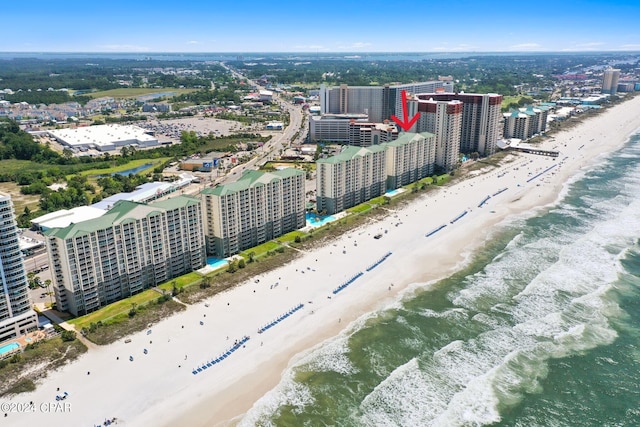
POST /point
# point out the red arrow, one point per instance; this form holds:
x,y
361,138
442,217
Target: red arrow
x,y
406,123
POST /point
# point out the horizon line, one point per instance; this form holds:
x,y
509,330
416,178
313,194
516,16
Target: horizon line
x,y
319,52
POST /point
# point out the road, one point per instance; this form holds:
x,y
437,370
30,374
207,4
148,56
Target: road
x,y
277,143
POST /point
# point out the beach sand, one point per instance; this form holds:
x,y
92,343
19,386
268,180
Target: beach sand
x,y
158,388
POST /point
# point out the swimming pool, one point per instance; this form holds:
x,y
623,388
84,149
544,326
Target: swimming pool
x,y
316,220
392,192
214,262
9,347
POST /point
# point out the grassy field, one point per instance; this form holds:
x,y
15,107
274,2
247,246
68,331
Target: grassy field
x,y
20,201
131,92
113,310
181,281
130,165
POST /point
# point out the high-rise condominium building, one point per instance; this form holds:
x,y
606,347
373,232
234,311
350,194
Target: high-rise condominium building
x,y
132,247
378,102
354,176
481,115
409,158
258,207
610,81
443,118
525,122
16,315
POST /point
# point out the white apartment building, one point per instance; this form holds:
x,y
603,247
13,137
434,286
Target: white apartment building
x,y
333,127
354,176
409,158
367,134
258,207
378,102
525,122
132,247
16,315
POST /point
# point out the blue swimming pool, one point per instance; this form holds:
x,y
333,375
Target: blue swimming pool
x,y
214,262
392,192
316,220
9,347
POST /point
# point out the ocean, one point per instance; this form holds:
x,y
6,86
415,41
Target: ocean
x,y
540,328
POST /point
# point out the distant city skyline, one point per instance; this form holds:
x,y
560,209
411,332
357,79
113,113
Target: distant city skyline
x,y
286,26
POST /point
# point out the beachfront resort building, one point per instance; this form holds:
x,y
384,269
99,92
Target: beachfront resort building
x,y
354,176
378,102
409,158
130,248
481,116
610,79
443,118
525,122
260,206
16,315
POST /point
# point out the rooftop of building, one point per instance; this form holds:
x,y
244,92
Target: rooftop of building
x,y
123,211
252,179
407,137
351,152
101,134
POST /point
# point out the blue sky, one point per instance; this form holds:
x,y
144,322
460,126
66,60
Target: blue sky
x,y
319,26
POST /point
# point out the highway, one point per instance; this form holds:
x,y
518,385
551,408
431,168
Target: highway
x,y
277,143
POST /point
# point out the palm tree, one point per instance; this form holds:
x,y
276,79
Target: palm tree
x,y
47,283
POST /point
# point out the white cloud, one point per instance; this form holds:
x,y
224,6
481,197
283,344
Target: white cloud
x,y
590,44
193,42
310,47
635,46
462,47
526,46
354,46
125,48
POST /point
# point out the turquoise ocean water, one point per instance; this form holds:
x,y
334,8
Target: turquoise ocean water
x,y
542,328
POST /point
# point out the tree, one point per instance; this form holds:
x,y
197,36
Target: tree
x,y
251,257
297,239
206,282
47,283
133,310
68,336
241,263
232,267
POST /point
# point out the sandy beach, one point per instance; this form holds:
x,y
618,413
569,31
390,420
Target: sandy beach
x,y
158,386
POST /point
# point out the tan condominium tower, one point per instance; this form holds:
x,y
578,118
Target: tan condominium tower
x,y
260,206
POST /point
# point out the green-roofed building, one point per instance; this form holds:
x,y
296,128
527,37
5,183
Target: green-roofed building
x,y
134,246
260,206
409,158
354,176
525,122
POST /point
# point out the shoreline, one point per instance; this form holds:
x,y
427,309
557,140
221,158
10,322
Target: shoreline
x,y
153,390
